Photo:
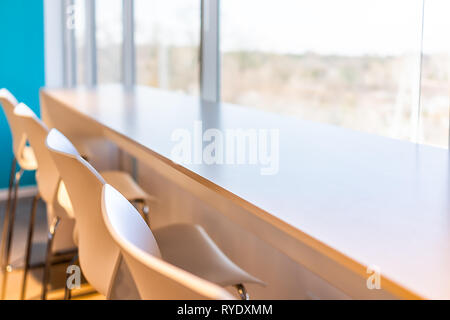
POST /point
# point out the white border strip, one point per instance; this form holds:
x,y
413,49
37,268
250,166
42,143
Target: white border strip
x,y
22,192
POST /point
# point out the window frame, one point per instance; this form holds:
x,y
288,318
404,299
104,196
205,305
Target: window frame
x,y
61,50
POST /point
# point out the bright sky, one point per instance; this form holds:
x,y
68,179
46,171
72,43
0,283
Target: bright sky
x,y
349,27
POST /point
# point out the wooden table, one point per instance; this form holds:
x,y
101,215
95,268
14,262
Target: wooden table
x,y
341,201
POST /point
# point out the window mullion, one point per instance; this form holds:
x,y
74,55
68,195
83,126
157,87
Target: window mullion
x,y
210,53
90,45
70,63
128,52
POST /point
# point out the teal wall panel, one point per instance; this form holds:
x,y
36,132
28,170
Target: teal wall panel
x,y
21,66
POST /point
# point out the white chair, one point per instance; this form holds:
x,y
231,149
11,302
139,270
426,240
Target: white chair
x,y
59,215
155,278
53,192
99,257
24,157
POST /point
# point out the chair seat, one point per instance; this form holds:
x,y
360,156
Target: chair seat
x,y
122,181
27,159
125,184
190,248
87,146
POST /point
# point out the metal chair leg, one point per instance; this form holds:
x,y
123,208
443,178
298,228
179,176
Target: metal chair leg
x,y
6,217
144,211
12,215
242,292
46,276
29,245
67,290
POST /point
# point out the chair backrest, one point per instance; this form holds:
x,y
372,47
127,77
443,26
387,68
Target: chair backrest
x,y
154,278
47,175
98,253
9,102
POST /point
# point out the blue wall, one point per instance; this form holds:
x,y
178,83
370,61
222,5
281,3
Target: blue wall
x,y
21,66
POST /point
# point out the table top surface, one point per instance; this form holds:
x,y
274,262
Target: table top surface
x,y
378,201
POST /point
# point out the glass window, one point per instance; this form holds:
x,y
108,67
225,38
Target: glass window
x,y
167,36
435,93
109,40
351,63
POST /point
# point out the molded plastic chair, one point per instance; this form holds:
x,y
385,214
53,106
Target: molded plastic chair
x,y
184,246
187,246
155,278
24,157
59,215
54,193
98,255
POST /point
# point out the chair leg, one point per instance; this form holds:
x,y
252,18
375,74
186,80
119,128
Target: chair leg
x,y
48,258
6,268
67,290
6,217
29,245
145,210
242,292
